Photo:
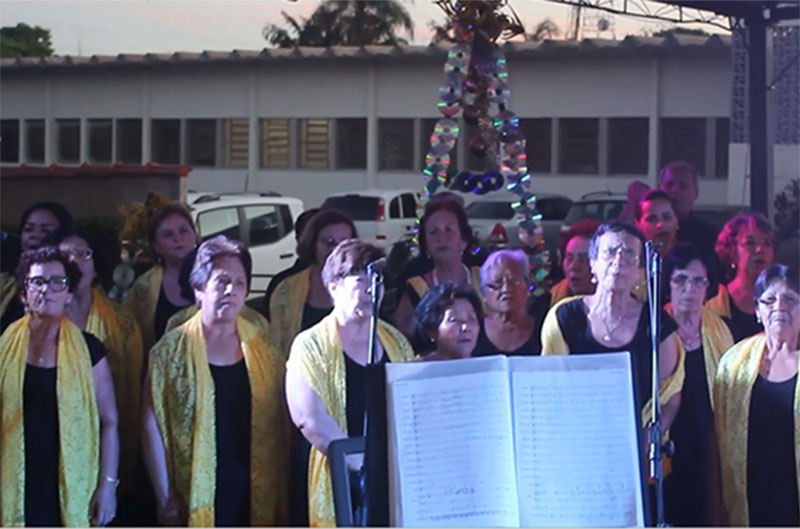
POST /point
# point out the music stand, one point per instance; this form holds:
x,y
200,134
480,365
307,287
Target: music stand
x,y
340,477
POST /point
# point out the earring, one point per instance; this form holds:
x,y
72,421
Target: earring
x,y
593,279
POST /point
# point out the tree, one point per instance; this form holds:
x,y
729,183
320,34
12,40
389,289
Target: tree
x,y
23,40
677,30
545,30
344,23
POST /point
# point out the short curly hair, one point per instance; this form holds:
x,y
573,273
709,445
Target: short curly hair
x,y
47,254
776,272
350,257
219,246
431,308
729,235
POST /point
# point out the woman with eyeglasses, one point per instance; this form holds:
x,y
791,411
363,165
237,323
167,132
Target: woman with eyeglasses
x,y
60,449
449,318
612,320
745,246
757,410
574,246
213,422
508,327
704,336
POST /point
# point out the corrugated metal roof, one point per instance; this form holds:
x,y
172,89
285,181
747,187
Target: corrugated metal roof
x,y
547,49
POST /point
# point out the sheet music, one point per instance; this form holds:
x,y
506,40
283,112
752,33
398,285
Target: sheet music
x,y
577,452
453,445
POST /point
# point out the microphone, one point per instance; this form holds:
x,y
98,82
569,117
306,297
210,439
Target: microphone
x,y
377,266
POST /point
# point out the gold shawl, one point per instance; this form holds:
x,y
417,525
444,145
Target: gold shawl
x,y
114,325
78,424
318,357
185,314
183,400
421,286
286,309
733,387
8,289
142,299
721,303
559,291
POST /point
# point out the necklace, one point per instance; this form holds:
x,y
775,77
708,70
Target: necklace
x,y
609,330
436,276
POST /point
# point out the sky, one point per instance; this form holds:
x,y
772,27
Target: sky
x,y
110,27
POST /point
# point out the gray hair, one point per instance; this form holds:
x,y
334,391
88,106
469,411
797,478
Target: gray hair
x,y
499,257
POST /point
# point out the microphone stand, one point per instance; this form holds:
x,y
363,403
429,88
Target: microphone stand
x,y
655,448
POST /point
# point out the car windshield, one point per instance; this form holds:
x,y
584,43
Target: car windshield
x,y
487,209
358,207
601,210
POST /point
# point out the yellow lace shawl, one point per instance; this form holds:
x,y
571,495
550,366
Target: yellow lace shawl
x,y
142,299
183,400
251,315
8,289
733,387
721,303
286,309
78,424
318,357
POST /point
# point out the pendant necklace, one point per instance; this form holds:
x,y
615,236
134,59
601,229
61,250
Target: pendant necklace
x,y
436,277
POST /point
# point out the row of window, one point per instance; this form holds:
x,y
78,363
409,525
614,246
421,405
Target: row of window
x,y
583,145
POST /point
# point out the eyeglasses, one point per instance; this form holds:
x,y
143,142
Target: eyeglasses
x,y
510,282
626,254
790,300
681,280
56,283
83,255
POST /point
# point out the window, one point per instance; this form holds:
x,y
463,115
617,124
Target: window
x,y
396,144
69,140
263,225
275,143
723,134
129,140
235,139
553,208
683,139
9,140
358,207
627,145
490,209
201,142
224,221
474,163
409,206
166,141
538,143
394,208
34,140
286,219
100,140
578,146
351,143
313,143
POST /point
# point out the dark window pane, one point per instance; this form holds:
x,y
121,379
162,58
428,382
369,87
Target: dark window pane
x,y
263,225
100,140
224,221
129,140
356,206
409,206
723,133
286,219
34,139
396,144
166,141
627,145
9,140
538,138
201,142
490,209
578,146
553,208
69,140
351,143
683,139
394,208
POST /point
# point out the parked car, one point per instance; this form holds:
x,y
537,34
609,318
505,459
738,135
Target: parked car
x,y
600,205
382,216
494,222
264,222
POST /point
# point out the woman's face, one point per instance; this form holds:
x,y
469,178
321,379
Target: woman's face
x,y
576,265
38,224
225,291
778,309
443,240
658,222
47,289
458,331
328,238
688,287
753,251
506,289
79,253
174,238
351,296
617,264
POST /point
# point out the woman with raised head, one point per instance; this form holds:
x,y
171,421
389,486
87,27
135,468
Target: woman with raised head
x,y
757,410
156,294
745,246
656,219
574,245
613,320
449,318
214,428
508,327
60,449
326,373
705,337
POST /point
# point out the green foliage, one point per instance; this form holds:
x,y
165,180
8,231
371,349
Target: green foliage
x,y
23,40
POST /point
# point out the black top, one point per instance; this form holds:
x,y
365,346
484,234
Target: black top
x,y
14,311
356,377
233,409
164,311
298,266
744,324
771,468
312,316
40,411
533,346
572,319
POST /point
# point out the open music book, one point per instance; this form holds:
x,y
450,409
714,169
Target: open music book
x,y
514,442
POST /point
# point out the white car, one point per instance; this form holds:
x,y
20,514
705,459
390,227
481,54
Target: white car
x,y
382,216
263,222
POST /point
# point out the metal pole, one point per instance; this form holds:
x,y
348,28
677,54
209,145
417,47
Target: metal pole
x,y
757,106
